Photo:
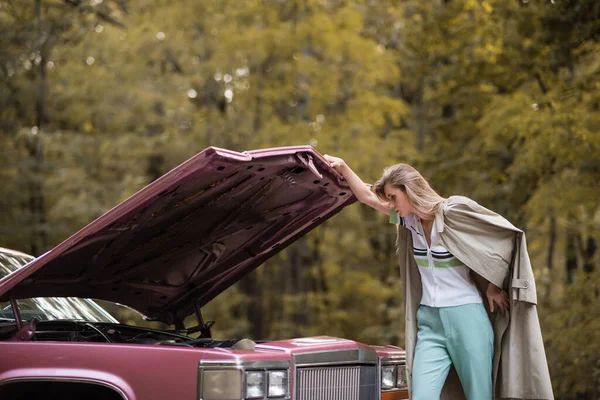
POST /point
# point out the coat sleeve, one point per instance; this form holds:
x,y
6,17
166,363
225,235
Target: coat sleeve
x,y
488,244
522,282
471,234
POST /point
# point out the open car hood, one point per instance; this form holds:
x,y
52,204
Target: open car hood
x,y
191,234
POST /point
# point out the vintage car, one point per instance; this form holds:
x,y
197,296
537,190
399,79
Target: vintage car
x,y
166,252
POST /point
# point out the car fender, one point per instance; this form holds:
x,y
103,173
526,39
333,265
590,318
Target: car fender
x,y
70,375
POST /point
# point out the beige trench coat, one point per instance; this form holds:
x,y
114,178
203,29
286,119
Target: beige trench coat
x,y
496,251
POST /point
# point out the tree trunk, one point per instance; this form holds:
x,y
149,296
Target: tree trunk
x,y
39,239
587,253
550,254
571,256
254,313
421,115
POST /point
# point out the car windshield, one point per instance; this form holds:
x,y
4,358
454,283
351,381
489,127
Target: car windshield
x,y
47,308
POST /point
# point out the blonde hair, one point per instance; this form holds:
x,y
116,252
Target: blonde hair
x,y
423,198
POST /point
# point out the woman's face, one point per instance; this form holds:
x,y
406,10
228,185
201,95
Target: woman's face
x,y
398,200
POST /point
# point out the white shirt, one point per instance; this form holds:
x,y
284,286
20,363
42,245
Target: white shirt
x,y
445,279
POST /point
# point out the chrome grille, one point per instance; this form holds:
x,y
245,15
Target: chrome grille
x,y
337,383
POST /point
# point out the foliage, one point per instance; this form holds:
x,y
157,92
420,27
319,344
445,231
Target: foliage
x,y
575,337
497,100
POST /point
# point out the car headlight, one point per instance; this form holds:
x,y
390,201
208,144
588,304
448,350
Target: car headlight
x,y
388,377
401,377
246,380
222,384
277,384
255,384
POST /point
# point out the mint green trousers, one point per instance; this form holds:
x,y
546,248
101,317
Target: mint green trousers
x,y
461,336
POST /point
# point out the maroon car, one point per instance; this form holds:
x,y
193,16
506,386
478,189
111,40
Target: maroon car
x,y
166,252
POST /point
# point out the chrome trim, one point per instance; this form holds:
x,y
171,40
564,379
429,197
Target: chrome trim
x,y
72,380
379,376
243,366
396,370
336,357
388,360
247,364
343,382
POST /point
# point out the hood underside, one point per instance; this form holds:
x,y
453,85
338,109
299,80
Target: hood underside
x,y
192,233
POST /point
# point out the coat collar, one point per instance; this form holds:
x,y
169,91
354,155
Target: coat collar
x,y
439,217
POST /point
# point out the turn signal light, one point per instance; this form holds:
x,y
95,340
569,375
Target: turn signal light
x,y
394,395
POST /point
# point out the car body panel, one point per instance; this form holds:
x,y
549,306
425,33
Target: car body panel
x,y
192,233
175,244
150,372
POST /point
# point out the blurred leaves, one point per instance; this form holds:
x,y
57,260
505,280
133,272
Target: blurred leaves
x,y
491,99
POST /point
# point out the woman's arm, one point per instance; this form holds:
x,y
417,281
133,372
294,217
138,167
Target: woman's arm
x,y
358,187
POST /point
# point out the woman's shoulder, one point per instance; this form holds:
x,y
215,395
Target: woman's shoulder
x,y
464,203
459,199
463,208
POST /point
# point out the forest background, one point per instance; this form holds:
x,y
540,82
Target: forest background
x,y
497,100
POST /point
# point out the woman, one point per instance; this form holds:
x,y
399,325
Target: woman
x,y
452,243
